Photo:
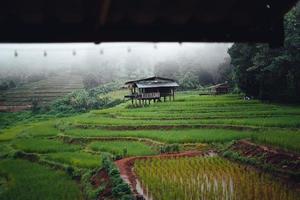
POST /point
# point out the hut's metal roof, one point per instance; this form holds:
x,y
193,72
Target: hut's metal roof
x,y
143,20
219,85
157,85
153,78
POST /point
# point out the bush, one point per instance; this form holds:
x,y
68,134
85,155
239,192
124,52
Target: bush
x,y
70,170
127,197
120,189
85,100
170,148
91,193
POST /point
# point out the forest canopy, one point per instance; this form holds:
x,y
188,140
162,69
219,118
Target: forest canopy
x,y
270,74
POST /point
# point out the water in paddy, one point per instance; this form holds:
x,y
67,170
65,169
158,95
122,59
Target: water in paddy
x,y
207,178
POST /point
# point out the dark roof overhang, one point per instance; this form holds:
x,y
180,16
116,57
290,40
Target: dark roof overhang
x,y
150,79
143,20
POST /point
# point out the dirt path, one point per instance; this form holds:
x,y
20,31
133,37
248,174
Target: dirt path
x,y
126,165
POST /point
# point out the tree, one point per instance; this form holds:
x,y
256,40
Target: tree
x,y
271,74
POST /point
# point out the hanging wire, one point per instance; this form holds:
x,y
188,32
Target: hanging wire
x,y
45,53
16,53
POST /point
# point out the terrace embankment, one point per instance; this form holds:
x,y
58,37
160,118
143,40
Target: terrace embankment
x,y
126,165
165,127
98,179
283,161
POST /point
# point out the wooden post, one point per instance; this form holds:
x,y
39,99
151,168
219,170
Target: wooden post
x,y
173,94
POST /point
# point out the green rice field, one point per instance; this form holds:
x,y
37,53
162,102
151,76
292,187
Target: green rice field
x,y
206,178
77,144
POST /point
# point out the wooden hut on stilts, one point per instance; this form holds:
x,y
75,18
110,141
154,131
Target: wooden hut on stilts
x,y
154,89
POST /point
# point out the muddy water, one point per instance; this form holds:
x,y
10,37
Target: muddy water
x,y
143,192
207,178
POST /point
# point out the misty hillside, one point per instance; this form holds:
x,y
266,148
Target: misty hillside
x,y
126,60
45,72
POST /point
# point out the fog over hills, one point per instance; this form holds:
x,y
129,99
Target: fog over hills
x,y
121,59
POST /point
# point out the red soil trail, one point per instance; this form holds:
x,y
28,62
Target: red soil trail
x,y
126,165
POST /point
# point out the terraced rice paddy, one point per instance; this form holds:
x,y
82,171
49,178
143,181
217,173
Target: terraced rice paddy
x,y
123,148
44,91
206,178
77,159
79,143
194,118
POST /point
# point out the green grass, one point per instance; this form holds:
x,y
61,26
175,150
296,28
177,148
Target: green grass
x,y
226,110
30,181
11,133
222,113
223,119
168,136
117,94
77,159
42,129
34,145
28,129
117,148
287,140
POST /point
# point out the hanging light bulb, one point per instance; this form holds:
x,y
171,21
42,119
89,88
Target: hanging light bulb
x,y
155,46
45,53
128,49
101,51
16,53
74,53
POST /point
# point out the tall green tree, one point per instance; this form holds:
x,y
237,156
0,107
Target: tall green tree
x,y
271,74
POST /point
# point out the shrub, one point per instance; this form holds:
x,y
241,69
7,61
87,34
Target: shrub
x,y
91,193
85,100
170,148
120,189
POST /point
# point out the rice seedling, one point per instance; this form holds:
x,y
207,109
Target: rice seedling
x,y
284,139
123,148
168,136
34,145
207,178
77,159
30,181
